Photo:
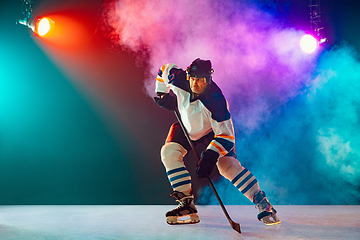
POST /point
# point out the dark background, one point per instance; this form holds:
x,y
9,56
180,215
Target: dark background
x,y
76,126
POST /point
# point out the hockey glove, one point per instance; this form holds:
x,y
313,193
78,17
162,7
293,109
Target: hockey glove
x,y
168,101
207,163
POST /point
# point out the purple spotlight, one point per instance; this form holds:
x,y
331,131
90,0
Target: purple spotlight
x,y
308,43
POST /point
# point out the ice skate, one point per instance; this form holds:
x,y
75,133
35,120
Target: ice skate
x,y
267,214
185,213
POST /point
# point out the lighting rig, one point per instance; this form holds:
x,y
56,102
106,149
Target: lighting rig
x,y
309,42
41,26
315,19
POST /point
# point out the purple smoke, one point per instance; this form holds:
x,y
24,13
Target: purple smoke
x,y
257,62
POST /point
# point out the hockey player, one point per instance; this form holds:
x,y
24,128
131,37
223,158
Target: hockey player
x,y
205,115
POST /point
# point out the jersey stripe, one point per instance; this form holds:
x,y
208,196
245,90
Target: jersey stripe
x,y
228,145
219,148
160,79
224,136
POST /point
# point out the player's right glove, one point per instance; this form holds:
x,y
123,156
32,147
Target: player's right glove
x,y
168,101
207,163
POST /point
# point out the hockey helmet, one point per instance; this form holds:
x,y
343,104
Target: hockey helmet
x,y
200,69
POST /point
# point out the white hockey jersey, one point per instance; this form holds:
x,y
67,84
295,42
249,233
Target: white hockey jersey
x,y
203,114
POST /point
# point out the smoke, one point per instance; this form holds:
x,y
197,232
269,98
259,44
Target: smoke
x,y
296,115
308,151
255,59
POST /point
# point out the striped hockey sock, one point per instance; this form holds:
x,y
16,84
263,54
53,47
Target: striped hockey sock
x,y
246,182
180,180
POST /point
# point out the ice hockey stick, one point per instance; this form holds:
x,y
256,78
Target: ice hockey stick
x,y
234,225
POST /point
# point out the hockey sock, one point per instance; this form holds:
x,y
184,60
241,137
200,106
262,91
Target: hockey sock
x,y
180,180
172,155
239,176
246,182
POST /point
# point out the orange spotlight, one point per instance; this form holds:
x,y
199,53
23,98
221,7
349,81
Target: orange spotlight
x,y
44,27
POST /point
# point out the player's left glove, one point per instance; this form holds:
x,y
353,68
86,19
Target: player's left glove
x,y
207,163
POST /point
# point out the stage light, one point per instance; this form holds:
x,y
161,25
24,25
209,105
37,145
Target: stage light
x,y
44,27
308,43
41,26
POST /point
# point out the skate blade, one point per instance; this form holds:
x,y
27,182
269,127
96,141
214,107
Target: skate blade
x,y
271,220
189,219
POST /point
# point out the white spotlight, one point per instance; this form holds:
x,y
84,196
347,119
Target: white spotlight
x,y
308,44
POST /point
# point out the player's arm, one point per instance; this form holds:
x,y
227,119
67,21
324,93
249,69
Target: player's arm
x,y
162,79
223,142
162,88
224,139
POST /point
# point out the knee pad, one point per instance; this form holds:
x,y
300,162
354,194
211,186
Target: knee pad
x,y
228,166
171,152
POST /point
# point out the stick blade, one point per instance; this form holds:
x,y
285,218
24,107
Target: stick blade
x,y
235,226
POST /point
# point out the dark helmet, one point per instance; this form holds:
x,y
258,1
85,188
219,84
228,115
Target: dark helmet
x,y
200,69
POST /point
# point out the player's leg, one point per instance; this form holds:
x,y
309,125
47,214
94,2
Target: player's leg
x,y
246,183
172,154
240,177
